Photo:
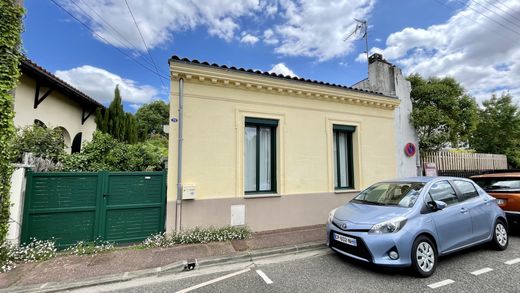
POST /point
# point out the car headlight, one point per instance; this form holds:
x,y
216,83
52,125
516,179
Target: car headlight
x,y
390,226
331,215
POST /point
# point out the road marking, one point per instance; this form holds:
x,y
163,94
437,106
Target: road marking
x,y
213,281
44,285
481,271
264,276
513,261
441,283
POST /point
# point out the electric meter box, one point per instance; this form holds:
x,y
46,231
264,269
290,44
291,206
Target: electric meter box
x,y
189,191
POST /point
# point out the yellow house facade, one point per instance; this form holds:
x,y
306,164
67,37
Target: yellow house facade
x,y
270,151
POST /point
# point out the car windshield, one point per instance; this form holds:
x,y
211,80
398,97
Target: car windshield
x,y
403,194
498,183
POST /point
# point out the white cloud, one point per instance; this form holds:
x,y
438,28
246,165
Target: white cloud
x,y
471,47
249,39
281,68
158,20
316,28
269,37
100,84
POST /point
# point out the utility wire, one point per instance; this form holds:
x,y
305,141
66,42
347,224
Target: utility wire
x,y
498,14
122,38
490,18
102,38
507,37
503,10
142,38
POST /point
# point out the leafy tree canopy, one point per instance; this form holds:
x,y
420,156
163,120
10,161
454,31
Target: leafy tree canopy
x,y
442,114
498,130
151,118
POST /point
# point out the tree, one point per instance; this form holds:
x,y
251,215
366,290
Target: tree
x,y
442,114
114,121
151,118
11,18
498,131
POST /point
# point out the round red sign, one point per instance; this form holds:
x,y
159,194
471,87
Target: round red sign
x,y
410,149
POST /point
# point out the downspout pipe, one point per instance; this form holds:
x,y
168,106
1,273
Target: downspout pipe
x,y
178,205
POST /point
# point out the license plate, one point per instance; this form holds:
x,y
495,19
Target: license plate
x,y
501,201
345,239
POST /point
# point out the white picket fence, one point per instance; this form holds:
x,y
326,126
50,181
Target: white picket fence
x,y
464,161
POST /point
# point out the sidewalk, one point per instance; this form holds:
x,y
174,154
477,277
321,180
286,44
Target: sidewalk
x,y
71,269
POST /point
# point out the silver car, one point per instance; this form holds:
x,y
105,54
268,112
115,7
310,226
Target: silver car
x,y
411,222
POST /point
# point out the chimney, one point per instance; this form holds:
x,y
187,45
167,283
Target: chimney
x,y
382,75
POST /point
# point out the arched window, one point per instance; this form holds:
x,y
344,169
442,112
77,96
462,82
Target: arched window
x,y
76,143
39,123
66,137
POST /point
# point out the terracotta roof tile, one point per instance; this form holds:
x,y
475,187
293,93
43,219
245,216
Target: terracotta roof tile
x,y
272,74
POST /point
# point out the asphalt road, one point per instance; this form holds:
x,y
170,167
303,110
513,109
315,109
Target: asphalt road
x,y
325,271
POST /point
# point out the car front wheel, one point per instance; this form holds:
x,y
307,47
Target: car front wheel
x,y
500,236
424,257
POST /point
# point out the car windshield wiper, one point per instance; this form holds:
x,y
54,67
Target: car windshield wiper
x,y
369,202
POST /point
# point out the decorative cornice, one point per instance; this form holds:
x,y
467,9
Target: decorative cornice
x,y
255,82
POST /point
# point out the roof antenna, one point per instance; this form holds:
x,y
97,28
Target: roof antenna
x,y
359,32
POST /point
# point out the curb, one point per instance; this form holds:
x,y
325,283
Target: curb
x,y
173,268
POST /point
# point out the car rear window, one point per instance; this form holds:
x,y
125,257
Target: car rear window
x,y
497,183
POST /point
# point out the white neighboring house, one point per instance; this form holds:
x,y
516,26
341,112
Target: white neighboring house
x,y
43,98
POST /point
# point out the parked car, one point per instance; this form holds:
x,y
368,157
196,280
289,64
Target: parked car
x,y
505,187
411,222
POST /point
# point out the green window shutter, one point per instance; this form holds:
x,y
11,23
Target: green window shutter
x,y
261,121
345,128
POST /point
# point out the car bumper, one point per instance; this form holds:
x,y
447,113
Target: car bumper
x,y
374,248
513,217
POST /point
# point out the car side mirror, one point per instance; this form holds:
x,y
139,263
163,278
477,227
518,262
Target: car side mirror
x,y
440,204
437,205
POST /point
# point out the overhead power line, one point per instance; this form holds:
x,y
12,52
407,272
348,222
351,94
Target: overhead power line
x,y
104,39
142,38
497,14
490,18
500,32
503,10
122,39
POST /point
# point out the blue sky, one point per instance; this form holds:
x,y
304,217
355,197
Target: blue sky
x,y
431,37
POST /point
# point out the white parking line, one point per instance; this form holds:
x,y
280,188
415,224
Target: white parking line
x,y
481,271
213,281
441,283
513,261
264,276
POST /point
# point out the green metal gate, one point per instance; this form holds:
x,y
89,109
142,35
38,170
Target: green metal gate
x,y
114,206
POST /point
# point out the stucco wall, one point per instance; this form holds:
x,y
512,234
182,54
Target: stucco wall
x,y
56,110
214,134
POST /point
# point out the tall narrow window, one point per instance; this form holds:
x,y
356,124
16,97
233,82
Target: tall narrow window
x,y
260,155
343,158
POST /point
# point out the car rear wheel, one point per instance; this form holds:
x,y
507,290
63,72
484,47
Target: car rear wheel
x,y
424,257
500,236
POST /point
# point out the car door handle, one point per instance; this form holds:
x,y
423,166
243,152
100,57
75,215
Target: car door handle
x,y
463,210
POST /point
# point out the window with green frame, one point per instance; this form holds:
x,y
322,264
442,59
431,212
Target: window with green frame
x,y
343,156
260,155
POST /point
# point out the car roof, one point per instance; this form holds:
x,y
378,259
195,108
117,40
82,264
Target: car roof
x,y
423,179
498,175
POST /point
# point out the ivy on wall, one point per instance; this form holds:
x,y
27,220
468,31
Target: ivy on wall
x,y
11,19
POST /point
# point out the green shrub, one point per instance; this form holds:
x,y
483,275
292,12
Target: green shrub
x,y
42,142
35,250
105,153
